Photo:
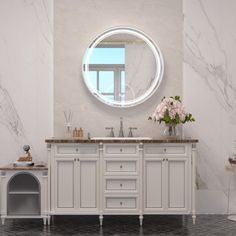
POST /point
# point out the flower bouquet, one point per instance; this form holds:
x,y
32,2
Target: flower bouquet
x,y
171,112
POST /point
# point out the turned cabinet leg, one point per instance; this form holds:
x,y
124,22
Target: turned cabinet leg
x,y
49,220
194,219
3,220
100,219
44,220
141,220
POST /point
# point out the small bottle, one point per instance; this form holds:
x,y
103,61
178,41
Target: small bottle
x,y
75,132
81,132
78,133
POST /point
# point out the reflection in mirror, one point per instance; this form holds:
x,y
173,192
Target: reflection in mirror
x,y
122,67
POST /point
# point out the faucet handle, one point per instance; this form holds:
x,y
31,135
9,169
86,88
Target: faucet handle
x,y
130,131
111,134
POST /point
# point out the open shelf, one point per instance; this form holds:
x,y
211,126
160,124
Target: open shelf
x,y
23,195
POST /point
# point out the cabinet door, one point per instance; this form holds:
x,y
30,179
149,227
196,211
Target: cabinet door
x,y
177,183
64,183
88,181
154,185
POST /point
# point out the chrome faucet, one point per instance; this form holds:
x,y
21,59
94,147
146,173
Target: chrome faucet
x,y
130,131
111,134
121,132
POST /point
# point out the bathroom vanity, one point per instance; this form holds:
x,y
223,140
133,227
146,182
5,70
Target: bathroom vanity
x,y
121,177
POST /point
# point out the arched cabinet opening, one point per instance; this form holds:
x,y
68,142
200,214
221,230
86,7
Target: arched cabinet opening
x,y
23,194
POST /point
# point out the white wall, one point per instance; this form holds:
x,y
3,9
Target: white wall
x,y
76,24
26,72
209,89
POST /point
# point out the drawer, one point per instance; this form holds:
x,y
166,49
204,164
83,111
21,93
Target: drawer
x,y
121,166
121,149
121,184
162,149
121,202
77,149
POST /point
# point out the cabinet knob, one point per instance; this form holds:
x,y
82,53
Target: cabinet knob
x,y
121,185
75,159
164,149
121,150
76,149
78,159
121,203
121,166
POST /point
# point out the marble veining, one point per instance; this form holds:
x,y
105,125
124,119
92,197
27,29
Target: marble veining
x,y
9,117
26,75
210,94
214,71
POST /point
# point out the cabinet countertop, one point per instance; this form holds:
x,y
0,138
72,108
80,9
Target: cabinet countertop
x,y
138,140
12,167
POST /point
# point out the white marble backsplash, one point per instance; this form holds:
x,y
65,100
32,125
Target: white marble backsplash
x,y
26,76
210,94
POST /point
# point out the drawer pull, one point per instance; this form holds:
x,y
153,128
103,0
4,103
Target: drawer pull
x,y
121,185
121,150
164,149
121,203
121,166
76,149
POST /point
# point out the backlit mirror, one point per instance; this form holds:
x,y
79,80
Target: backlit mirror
x,y
122,67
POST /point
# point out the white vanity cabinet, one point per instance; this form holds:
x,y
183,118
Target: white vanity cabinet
x,y
167,179
137,177
74,179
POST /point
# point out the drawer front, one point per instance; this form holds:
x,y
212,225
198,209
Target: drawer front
x,y
162,149
121,149
121,203
121,166
77,149
121,184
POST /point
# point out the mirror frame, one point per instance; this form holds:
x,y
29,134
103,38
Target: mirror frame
x,y
159,62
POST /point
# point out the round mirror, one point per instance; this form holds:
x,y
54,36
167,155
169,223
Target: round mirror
x,y
122,67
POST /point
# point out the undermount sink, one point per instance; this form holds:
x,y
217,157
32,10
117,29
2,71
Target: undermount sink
x,y
121,138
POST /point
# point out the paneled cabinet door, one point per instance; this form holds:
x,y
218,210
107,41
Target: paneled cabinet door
x,y
166,185
154,187
178,183
65,175
76,184
88,184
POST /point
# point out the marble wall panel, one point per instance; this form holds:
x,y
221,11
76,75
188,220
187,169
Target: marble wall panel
x,y
26,72
209,88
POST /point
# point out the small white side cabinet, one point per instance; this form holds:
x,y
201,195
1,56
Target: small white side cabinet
x,y
122,178
24,193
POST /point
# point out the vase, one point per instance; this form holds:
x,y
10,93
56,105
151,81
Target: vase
x,y
171,131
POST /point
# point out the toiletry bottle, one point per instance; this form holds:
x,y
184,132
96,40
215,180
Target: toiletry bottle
x,y
75,132
81,132
78,133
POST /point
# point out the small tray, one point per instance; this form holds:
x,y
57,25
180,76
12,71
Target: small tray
x,y
23,163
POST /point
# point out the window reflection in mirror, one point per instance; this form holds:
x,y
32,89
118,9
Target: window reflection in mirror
x,y
107,71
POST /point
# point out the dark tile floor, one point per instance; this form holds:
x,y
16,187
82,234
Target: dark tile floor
x,y
122,225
